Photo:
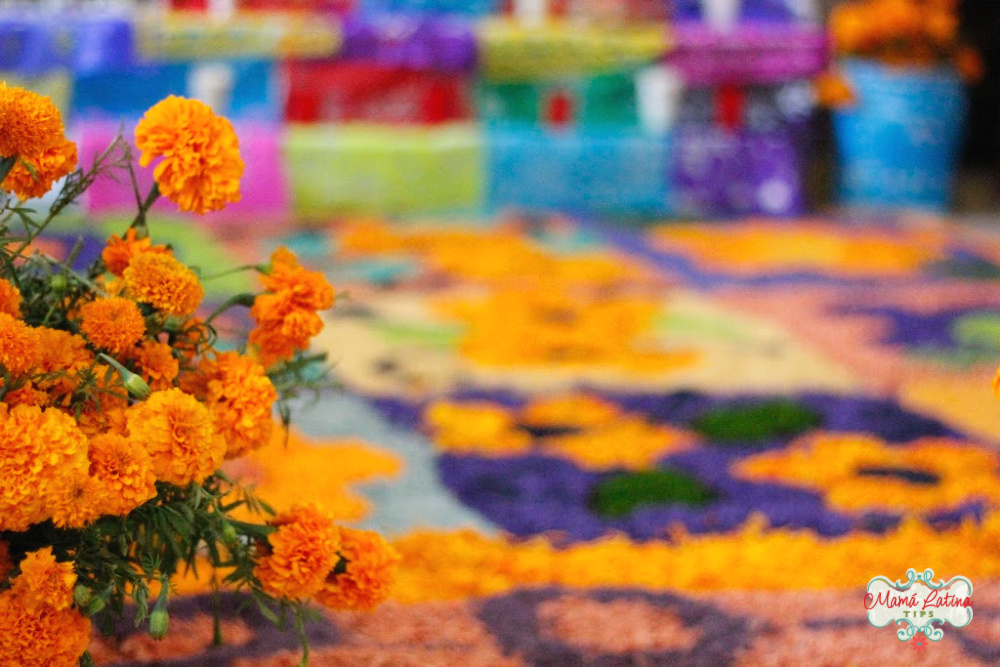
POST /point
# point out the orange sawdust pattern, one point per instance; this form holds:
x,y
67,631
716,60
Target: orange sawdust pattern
x,y
830,463
755,247
561,328
307,471
618,626
502,256
598,436
439,565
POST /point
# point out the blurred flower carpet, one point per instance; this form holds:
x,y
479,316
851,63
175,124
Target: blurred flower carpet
x,y
672,444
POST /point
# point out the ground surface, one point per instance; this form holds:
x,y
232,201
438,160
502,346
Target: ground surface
x,y
677,444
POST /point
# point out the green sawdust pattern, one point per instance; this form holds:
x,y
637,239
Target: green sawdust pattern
x,y
756,423
619,495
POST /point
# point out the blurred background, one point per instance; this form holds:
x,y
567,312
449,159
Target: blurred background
x,y
624,108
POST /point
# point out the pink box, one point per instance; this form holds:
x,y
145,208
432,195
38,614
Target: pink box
x,y
264,185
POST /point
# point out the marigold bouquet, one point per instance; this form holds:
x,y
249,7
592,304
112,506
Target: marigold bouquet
x,y
899,33
118,410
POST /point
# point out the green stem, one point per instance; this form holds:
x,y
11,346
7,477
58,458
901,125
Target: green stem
x,y
139,223
244,299
222,274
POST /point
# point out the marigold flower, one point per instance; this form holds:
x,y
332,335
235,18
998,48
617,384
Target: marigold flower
x,y
19,347
54,163
201,167
30,123
157,364
27,394
308,289
10,299
163,282
45,637
43,451
78,502
43,581
179,435
118,253
286,315
63,355
299,554
240,397
369,575
123,468
115,324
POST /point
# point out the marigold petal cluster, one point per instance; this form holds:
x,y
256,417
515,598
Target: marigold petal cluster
x,y
157,364
10,299
124,470
368,576
30,123
179,434
240,397
78,503
44,581
300,554
55,162
5,563
164,283
201,166
42,636
286,315
43,453
115,324
19,347
118,252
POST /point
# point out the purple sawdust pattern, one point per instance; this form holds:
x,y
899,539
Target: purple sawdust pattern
x,y
514,620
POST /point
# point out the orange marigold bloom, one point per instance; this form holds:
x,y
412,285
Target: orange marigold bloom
x,y
201,167
95,420
157,364
79,502
123,468
19,347
286,315
163,282
369,575
179,435
46,637
30,124
240,397
299,554
54,163
44,581
63,356
308,289
43,452
119,252
10,299
115,324
27,394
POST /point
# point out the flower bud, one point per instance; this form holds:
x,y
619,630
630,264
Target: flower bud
x,y
81,596
137,386
58,283
159,621
229,535
95,606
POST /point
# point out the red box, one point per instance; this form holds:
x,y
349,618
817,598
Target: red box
x,y
364,92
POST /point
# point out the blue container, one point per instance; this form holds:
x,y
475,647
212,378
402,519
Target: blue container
x,y
588,172
900,142
254,94
458,7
